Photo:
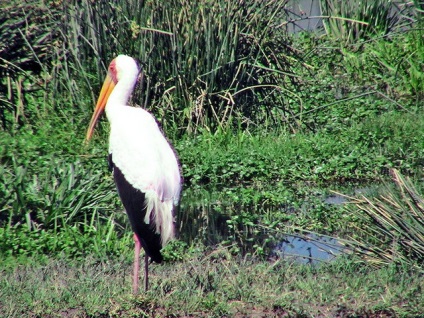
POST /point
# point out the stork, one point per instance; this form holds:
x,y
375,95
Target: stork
x,y
144,165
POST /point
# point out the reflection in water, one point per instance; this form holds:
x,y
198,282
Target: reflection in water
x,y
203,223
310,249
202,218
207,219
340,199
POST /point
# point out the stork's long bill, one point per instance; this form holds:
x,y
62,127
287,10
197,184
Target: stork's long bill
x,y
107,88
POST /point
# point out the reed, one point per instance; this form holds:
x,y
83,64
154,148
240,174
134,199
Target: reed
x,y
391,227
351,21
206,64
63,209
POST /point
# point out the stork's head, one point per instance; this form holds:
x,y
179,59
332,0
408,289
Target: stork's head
x,y
123,68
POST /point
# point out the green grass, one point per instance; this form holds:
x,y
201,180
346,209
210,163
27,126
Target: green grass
x,y
355,22
213,284
265,125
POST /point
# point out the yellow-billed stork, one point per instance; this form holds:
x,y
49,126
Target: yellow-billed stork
x,y
145,167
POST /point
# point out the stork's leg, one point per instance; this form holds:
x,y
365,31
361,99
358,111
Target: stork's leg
x,y
146,272
136,264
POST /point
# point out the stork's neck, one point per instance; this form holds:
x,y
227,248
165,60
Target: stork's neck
x,y
120,94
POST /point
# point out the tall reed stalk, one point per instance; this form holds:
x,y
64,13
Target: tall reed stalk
x,y
206,63
392,227
351,21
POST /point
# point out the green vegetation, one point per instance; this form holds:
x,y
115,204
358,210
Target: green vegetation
x,y
214,285
266,125
394,221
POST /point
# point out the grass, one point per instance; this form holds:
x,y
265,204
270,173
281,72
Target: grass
x,y
215,284
75,192
356,153
265,126
197,74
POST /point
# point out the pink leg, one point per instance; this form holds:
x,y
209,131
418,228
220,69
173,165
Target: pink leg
x,y
136,264
146,272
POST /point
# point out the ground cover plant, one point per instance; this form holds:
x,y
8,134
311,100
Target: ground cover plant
x,y
266,125
213,283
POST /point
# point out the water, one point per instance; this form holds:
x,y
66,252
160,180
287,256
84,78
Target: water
x,y
304,15
309,249
207,218
340,199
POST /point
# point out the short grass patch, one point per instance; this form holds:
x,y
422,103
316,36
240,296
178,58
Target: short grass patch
x,y
213,283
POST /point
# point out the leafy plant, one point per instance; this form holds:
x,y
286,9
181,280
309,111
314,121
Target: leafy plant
x,y
63,210
391,66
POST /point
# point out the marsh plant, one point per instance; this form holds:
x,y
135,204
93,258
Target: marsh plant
x,y
206,64
351,21
391,228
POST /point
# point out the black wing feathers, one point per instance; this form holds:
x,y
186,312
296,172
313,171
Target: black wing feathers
x,y
135,206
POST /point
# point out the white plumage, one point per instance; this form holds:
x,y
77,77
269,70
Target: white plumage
x,y
155,173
